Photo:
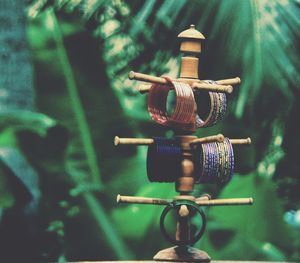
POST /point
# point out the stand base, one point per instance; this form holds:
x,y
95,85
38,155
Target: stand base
x,y
182,254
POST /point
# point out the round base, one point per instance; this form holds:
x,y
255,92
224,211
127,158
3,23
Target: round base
x,y
182,254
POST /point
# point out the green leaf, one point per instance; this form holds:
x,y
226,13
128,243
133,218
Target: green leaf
x,y
26,120
76,101
232,230
6,197
22,176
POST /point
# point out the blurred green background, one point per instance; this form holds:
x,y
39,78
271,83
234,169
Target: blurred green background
x,y
64,95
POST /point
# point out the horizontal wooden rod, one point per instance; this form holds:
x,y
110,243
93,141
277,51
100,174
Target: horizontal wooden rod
x,y
228,201
241,141
133,141
144,88
212,87
214,138
142,200
203,197
199,201
158,80
149,141
146,78
233,81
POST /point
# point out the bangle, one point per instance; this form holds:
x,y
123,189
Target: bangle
x,y
214,162
176,205
183,115
164,153
218,107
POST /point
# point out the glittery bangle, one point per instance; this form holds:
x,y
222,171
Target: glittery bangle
x,y
205,163
214,162
218,107
230,161
221,161
221,107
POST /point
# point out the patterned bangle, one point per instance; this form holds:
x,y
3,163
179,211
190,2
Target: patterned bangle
x,y
221,107
221,160
230,161
205,163
218,107
214,162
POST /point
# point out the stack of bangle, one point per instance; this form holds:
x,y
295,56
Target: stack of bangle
x,y
164,160
218,107
214,162
183,115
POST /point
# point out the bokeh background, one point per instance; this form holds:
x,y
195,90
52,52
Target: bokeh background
x,y
64,95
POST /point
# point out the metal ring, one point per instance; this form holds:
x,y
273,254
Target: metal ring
x,y
174,205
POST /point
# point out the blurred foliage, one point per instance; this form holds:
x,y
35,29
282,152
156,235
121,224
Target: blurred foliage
x,y
59,170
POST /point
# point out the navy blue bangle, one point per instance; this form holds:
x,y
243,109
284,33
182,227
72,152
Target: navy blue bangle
x,y
164,160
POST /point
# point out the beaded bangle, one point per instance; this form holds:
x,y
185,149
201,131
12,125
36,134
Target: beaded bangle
x,y
221,161
209,164
230,161
218,107
214,162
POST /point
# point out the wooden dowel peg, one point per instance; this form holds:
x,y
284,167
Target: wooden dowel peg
x,y
201,86
229,201
146,78
133,141
203,197
142,200
212,87
214,138
232,81
144,88
241,141
159,80
183,211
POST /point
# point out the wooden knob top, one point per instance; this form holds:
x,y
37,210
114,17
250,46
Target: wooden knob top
x,y
191,33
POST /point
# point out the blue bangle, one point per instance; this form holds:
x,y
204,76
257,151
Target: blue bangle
x,y
165,153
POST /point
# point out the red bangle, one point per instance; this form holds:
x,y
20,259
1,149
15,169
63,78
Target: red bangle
x,y
183,115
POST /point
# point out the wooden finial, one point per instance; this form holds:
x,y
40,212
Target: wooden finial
x,y
191,33
191,46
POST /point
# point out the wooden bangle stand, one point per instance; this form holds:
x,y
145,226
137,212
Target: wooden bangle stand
x,y
191,46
